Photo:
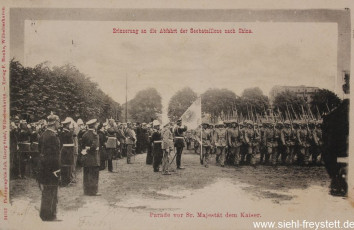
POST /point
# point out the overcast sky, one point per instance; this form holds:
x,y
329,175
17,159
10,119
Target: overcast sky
x,y
275,54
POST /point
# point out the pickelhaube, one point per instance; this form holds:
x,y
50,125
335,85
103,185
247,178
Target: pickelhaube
x,y
52,118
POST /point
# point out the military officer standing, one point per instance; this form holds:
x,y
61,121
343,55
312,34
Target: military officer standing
x,y
34,156
130,141
24,144
156,141
14,154
48,178
91,159
179,141
67,152
149,157
167,146
111,145
121,139
103,151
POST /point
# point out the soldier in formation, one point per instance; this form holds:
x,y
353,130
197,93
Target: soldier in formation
x,y
206,144
275,142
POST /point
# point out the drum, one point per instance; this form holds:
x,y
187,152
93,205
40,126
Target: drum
x,y
111,143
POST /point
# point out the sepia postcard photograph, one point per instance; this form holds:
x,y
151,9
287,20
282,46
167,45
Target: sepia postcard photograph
x,y
187,116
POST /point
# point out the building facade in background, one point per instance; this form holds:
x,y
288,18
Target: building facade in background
x,y
305,92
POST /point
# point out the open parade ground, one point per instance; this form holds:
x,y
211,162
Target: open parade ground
x,y
208,198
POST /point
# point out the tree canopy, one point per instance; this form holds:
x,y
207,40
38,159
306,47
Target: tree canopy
x,y
253,101
218,102
65,91
324,100
180,102
289,101
145,106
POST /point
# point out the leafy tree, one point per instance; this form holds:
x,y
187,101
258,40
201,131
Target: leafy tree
x,y
253,101
145,106
323,98
180,102
289,101
218,102
35,92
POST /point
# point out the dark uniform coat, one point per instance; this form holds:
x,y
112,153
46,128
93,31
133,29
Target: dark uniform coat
x,y
49,146
179,136
91,162
91,140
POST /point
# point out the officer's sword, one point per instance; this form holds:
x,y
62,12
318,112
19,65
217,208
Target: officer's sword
x,y
174,149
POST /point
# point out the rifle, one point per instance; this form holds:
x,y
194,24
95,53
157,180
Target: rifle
x,y
310,112
294,112
291,123
265,113
307,121
318,113
327,107
248,113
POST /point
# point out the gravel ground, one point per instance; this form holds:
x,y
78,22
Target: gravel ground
x,y
134,192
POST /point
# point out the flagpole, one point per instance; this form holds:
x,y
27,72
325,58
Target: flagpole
x,y
126,99
201,130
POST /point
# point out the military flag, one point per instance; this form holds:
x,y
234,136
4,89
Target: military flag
x,y
192,117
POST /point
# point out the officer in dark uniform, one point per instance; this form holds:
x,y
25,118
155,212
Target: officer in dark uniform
x,y
111,145
14,156
34,156
156,141
91,159
48,177
67,152
149,157
24,144
103,150
179,141
81,132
